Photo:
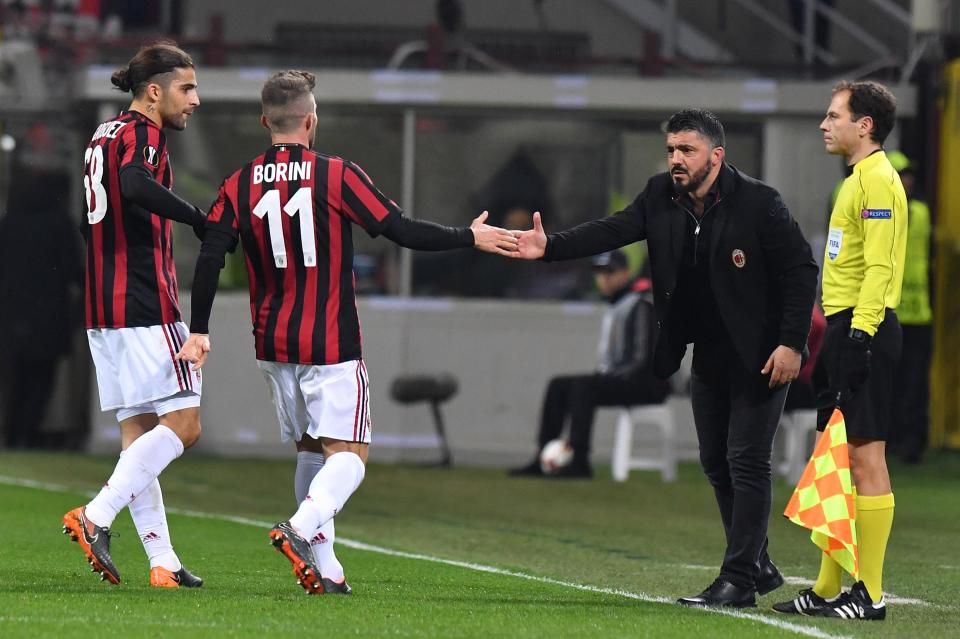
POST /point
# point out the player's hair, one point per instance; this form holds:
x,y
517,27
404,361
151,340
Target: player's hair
x,y
871,98
701,121
156,59
280,97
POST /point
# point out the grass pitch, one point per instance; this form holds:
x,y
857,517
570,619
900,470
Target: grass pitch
x,y
446,553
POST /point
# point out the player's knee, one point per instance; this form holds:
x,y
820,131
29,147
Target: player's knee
x,y
186,425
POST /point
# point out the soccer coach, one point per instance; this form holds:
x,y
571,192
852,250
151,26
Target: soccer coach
x,y
733,275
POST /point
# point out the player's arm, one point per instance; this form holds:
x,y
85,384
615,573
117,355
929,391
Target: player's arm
x,y
220,238
366,206
139,186
424,235
879,236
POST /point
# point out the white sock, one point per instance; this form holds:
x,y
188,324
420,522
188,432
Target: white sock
x,y
140,465
150,518
308,465
322,544
329,491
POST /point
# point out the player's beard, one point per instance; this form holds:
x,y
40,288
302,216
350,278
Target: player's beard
x,y
696,180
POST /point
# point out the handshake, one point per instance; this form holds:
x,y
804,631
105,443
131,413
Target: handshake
x,y
524,245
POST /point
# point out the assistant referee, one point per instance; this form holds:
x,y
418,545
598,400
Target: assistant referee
x,y
862,276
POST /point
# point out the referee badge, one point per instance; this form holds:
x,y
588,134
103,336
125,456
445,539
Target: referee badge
x,y
151,155
739,258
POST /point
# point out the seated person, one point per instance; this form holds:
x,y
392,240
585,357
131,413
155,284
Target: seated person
x,y
624,374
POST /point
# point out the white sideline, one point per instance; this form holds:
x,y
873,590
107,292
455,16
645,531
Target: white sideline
x,y
639,596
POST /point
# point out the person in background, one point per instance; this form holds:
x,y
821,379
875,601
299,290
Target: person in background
x,y
909,430
623,376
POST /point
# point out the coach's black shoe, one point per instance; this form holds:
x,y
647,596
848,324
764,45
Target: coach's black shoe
x,y
331,587
722,593
855,604
804,603
95,542
770,578
297,549
530,470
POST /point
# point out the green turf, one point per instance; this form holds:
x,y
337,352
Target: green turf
x,y
643,537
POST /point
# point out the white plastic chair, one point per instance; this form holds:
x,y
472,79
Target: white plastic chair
x,y
795,428
623,461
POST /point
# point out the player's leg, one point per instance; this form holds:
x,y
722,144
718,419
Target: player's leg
x,y
149,514
333,485
310,460
134,365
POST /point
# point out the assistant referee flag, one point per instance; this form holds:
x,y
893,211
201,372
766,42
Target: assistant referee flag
x,y
823,500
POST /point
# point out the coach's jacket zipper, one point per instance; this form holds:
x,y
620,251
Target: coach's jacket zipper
x,y
698,221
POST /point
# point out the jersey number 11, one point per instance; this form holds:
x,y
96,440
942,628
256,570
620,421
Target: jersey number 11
x,y
302,202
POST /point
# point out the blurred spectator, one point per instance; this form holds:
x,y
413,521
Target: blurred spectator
x,y
624,372
909,433
39,285
511,195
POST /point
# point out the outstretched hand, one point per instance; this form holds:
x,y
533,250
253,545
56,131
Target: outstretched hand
x,y
492,239
195,350
531,244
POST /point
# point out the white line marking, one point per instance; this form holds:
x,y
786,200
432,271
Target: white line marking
x,y
777,623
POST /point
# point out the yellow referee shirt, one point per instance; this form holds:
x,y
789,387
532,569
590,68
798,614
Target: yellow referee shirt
x,y
866,244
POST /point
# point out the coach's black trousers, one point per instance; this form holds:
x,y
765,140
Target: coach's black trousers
x,y
575,398
736,417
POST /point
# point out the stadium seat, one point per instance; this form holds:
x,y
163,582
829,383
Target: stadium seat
x,y
795,430
659,415
434,388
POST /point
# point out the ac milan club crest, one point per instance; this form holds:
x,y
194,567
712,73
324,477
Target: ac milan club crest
x,y
739,258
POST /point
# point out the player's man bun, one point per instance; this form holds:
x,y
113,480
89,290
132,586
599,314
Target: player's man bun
x,y
121,80
152,60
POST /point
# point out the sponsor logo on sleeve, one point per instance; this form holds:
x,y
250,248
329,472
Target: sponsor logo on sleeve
x,y
876,214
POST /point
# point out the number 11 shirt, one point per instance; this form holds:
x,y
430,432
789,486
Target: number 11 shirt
x,y
293,211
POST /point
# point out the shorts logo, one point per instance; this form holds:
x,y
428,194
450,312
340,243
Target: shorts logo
x,y
834,243
876,214
739,258
151,155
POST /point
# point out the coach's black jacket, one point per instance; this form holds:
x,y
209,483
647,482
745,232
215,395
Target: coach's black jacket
x,y
762,271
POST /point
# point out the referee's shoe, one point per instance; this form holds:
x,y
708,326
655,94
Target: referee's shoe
x,y
855,604
804,603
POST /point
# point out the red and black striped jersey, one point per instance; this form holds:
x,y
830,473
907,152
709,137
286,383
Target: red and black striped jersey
x,y
130,277
293,210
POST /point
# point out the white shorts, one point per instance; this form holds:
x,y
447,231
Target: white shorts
x,y
137,371
320,401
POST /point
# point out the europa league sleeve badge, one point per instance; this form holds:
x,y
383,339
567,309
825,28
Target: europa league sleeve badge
x,y
739,258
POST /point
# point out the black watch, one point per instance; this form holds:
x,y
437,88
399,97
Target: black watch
x,y
858,335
